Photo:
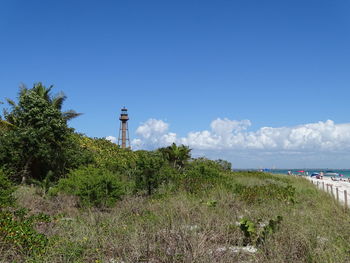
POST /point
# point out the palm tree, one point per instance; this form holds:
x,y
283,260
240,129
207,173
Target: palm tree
x,y
56,101
44,93
19,119
5,125
176,155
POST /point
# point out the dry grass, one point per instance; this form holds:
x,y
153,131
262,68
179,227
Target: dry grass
x,y
193,228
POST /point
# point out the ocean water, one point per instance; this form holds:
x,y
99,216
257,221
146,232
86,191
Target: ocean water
x,y
345,172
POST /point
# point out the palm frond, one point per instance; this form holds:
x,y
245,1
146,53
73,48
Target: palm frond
x,y
42,91
58,100
71,114
5,125
11,102
22,90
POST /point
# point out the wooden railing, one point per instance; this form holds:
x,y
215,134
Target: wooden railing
x,y
330,189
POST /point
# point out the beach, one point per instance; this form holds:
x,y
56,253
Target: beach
x,y
343,186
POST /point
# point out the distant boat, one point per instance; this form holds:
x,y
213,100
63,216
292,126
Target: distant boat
x,y
331,173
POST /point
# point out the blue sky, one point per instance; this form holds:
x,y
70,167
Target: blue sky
x,y
187,64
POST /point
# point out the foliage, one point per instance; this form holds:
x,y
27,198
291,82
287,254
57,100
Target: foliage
x,y
39,136
76,154
263,176
225,165
200,175
177,156
44,184
267,192
171,225
182,227
106,154
17,231
256,233
6,190
148,176
5,126
94,186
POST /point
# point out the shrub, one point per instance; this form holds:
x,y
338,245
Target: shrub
x,y
17,231
256,233
267,192
106,154
94,186
201,174
225,165
6,190
148,171
39,135
263,176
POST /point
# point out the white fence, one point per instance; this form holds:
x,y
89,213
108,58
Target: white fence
x,y
341,196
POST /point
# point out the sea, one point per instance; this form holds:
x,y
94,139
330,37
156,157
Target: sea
x,y
344,172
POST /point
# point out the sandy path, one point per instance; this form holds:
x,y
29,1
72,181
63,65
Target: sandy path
x,y
341,185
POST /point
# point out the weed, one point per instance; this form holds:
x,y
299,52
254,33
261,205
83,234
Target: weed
x,y
266,193
17,230
256,233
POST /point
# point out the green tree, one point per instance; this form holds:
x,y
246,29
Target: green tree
x,y
94,186
201,174
6,190
148,175
44,93
37,134
177,156
225,165
109,155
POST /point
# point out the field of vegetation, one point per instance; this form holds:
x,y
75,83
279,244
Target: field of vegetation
x,y
65,197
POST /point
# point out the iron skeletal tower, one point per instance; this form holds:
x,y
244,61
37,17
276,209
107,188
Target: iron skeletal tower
x,y
123,138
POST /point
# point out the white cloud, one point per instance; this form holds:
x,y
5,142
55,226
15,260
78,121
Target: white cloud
x,y
151,128
226,126
228,134
111,139
153,133
306,144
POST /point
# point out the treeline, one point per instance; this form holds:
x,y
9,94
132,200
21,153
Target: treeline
x,y
38,147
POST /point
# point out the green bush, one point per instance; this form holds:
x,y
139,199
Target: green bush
x,y
266,192
200,175
263,176
148,175
225,165
37,138
94,186
17,231
106,154
256,233
6,190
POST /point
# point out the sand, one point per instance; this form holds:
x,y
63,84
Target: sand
x,y
341,184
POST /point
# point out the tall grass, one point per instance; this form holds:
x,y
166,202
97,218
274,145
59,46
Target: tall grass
x,y
201,227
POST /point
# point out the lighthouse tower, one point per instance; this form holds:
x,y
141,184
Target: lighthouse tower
x,y
123,138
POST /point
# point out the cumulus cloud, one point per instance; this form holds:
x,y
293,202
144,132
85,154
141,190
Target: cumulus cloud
x,y
225,134
152,134
111,139
152,128
311,144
